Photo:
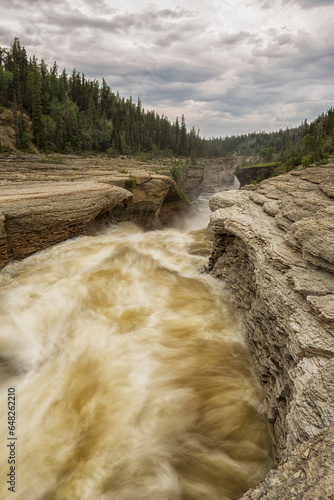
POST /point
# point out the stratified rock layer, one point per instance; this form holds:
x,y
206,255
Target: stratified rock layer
x,y
37,215
42,203
274,247
206,173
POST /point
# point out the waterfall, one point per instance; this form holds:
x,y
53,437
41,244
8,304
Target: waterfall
x,y
131,373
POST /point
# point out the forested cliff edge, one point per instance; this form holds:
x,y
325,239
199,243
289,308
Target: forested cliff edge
x,y
72,114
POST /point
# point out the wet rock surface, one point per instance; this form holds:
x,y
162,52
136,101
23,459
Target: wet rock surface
x,y
274,250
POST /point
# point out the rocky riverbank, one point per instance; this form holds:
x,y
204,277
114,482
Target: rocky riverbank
x,y
45,200
274,250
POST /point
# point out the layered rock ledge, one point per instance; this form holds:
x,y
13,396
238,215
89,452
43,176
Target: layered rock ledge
x,y
45,203
274,248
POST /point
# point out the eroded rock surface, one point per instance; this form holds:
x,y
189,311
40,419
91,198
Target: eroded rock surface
x,y
307,475
43,203
274,247
37,215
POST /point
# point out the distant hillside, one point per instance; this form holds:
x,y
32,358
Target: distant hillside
x,y
309,143
73,114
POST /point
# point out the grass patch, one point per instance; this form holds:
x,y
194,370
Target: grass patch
x,y
6,150
144,157
52,159
261,165
177,168
112,152
182,195
258,179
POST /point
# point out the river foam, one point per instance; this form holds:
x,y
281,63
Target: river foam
x,y
132,376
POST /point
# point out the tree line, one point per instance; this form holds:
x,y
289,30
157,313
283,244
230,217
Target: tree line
x,y
306,144
73,114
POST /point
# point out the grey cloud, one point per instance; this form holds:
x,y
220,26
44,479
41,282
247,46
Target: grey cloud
x,y
65,17
61,4
309,4
229,82
185,74
149,19
175,14
304,4
170,39
237,38
5,34
284,39
166,76
298,52
17,3
115,23
265,5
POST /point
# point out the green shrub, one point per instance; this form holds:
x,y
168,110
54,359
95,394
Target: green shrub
x,y
112,152
288,168
144,157
307,160
176,169
5,149
182,195
130,184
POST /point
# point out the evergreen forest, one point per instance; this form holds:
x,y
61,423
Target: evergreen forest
x,y
73,114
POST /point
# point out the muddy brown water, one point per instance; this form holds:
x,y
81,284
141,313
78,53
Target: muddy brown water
x,y
131,373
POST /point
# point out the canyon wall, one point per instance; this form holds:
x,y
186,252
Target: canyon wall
x,y
246,175
44,200
198,178
274,249
44,204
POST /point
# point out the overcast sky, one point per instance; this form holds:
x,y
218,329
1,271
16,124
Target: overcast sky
x,y
229,66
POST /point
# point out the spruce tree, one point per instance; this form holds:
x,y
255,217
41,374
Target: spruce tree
x,y
183,137
37,113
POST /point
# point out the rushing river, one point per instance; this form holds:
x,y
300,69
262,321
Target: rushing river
x,y
131,374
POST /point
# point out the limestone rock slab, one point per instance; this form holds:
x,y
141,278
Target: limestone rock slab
x,y
46,199
37,215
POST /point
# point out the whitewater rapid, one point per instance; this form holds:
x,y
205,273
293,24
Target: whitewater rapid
x,y
131,373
